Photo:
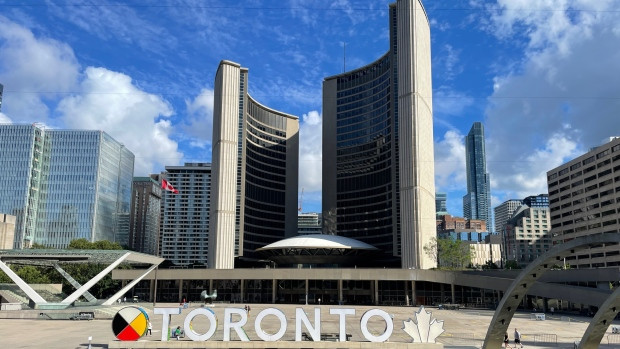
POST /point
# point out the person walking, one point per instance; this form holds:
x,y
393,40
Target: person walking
x,y
518,338
149,329
506,341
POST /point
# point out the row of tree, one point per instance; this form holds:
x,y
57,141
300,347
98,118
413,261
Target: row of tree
x,y
455,255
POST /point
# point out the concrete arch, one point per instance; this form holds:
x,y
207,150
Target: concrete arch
x,y
524,281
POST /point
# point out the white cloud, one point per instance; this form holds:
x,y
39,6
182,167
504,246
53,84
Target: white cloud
x,y
199,121
109,101
4,119
450,162
561,99
311,156
32,71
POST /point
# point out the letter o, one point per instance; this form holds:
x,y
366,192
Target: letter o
x,y
389,328
264,335
212,320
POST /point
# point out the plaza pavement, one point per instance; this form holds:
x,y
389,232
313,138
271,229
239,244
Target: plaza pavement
x,y
464,328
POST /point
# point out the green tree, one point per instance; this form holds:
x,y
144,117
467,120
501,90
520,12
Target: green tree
x,y
32,274
490,265
448,253
38,246
512,264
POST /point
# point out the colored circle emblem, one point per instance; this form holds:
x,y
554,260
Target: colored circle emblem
x,y
130,324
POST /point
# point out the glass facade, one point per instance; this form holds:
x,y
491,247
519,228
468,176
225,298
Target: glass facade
x,y
185,216
145,215
477,201
367,161
72,184
265,178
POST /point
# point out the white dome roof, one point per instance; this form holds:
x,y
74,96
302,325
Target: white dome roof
x,y
319,241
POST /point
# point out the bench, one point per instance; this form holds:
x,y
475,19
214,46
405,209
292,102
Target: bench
x,y
331,337
83,316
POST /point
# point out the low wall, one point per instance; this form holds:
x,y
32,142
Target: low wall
x,y
274,345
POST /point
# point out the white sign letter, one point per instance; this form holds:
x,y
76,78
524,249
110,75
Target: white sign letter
x,y
166,312
237,326
389,325
315,332
264,335
342,313
189,330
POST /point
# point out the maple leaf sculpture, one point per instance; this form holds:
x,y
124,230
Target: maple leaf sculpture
x,y
423,330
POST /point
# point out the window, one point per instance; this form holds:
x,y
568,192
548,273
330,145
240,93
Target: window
x,y
588,160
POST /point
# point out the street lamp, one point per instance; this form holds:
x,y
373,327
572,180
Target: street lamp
x,y
319,301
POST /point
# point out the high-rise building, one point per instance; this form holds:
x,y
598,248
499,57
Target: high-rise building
x,y
378,165
184,228
441,203
145,215
255,172
527,234
584,198
1,91
504,211
64,185
477,201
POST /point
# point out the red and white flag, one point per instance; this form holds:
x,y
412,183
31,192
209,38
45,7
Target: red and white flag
x,y
167,186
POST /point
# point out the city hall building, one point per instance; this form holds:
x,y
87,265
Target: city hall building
x,y
378,165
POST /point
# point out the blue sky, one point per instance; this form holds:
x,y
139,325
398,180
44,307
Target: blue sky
x,y
543,76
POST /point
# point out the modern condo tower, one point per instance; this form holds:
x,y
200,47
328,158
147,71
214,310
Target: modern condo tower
x,y
477,201
378,165
254,171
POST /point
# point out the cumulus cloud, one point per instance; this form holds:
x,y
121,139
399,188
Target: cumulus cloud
x,y
109,101
4,119
561,99
32,71
199,121
450,162
311,157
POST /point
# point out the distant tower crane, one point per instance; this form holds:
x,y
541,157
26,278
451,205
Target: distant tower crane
x,y
301,199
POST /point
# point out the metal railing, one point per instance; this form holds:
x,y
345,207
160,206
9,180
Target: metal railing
x,y
546,339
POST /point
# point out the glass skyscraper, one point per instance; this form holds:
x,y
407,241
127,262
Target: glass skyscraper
x,y
378,165
64,185
477,201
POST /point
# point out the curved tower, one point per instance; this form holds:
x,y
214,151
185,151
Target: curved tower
x,y
378,164
254,171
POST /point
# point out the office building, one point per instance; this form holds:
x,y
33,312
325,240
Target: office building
x,y
64,184
477,201
541,200
255,172
504,211
309,223
441,204
584,199
7,231
527,234
145,215
184,227
378,165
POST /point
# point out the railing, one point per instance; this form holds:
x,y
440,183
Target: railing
x,y
546,339
459,339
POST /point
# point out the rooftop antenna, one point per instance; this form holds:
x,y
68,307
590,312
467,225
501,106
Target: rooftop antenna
x,y
344,57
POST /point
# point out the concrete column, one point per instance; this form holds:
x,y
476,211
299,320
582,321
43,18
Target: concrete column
x,y
375,292
274,289
307,290
180,290
452,291
211,286
340,300
442,292
242,300
152,291
407,293
414,300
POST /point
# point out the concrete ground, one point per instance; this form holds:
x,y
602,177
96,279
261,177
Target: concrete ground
x,y
464,328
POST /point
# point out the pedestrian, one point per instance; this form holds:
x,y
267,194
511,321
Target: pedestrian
x,y
249,310
125,299
552,310
149,328
518,338
506,341
177,332
245,308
